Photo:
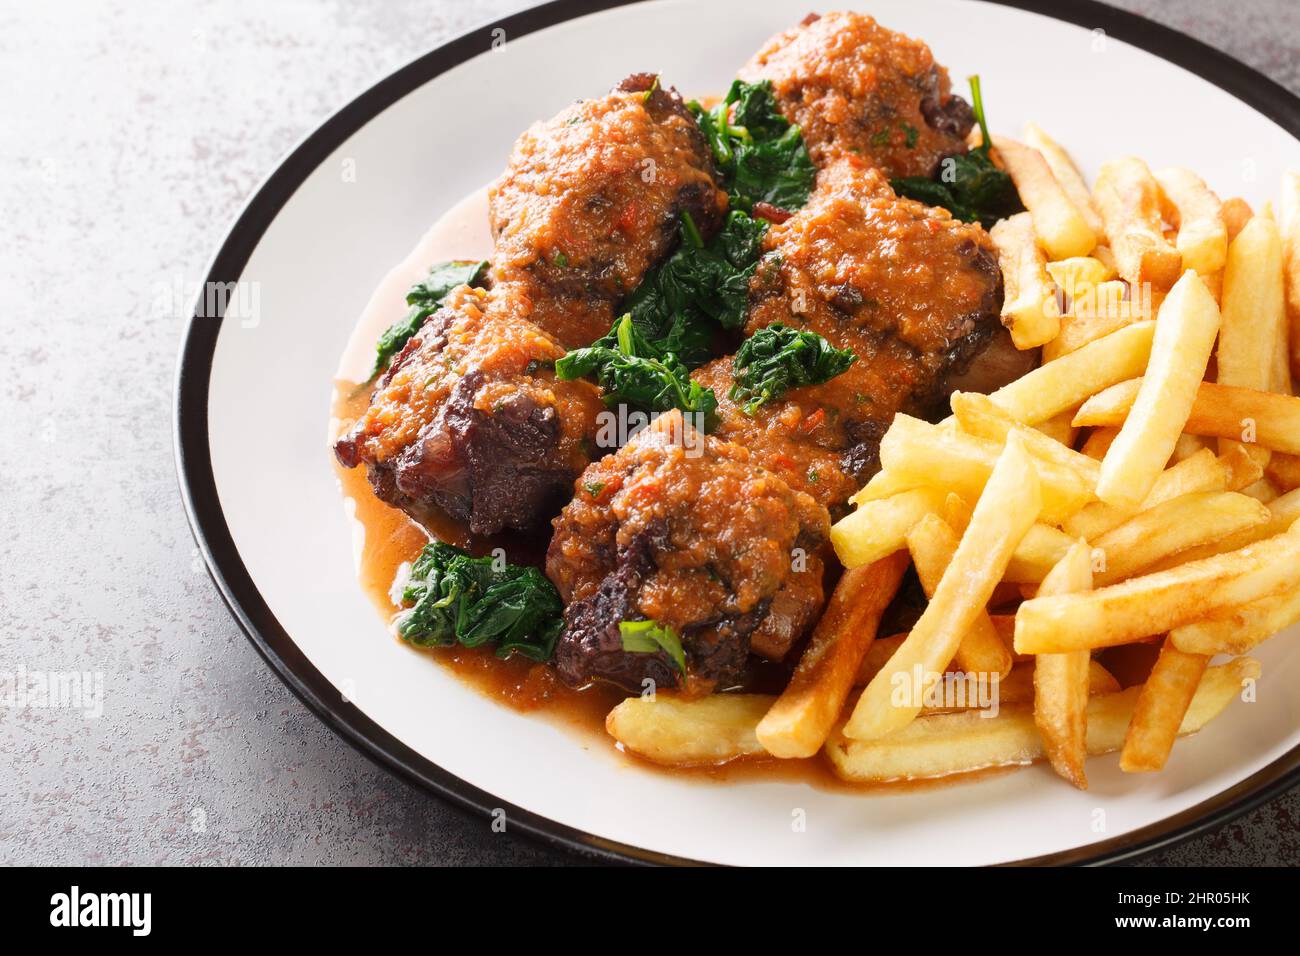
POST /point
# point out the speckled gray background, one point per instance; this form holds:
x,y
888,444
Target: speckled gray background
x,y
132,132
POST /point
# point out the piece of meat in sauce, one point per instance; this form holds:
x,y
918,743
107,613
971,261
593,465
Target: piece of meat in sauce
x,y
592,199
469,418
913,292
692,532
854,87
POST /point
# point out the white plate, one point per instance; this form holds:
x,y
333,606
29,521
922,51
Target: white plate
x,y
253,399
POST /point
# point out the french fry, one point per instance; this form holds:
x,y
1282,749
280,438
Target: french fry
x,y
1079,275
1161,706
1223,411
954,743
1029,307
1201,472
690,733
1174,526
1067,174
801,718
1008,507
1202,237
1241,469
962,463
1283,512
1184,337
1128,198
1291,262
1061,681
980,416
1017,687
1239,629
1098,441
1038,552
1186,446
1254,313
1100,311
1235,213
1059,429
1064,383
932,543
877,656
1061,228
1262,491
1284,471
1159,602
879,527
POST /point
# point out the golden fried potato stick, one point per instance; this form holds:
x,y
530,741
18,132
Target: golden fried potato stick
x,y
1202,237
1038,552
1284,471
1009,505
1098,441
1254,315
690,733
1128,198
1029,306
801,718
1161,707
1238,630
1291,262
1157,603
980,416
1061,227
1235,212
1052,388
1067,174
879,527
1100,311
1283,512
1061,681
1171,527
955,743
1201,472
954,461
1223,411
932,543
1184,338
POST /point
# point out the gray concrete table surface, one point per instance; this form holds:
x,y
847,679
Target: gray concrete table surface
x,y
132,133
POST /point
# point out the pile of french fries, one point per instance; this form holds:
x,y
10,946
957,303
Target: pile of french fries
x,y
1140,487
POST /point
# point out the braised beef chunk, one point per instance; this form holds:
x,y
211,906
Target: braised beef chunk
x,y
690,532
469,418
592,199
914,293
855,88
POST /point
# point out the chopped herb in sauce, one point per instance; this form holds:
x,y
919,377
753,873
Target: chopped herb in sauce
x,y
650,637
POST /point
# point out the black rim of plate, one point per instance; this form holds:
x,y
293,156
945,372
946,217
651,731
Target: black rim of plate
x,y
198,487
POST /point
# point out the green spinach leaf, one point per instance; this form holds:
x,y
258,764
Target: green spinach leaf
x,y
633,370
968,186
455,598
761,155
778,358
